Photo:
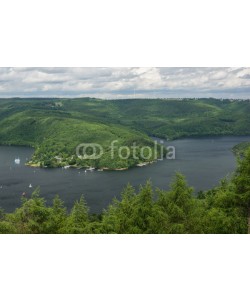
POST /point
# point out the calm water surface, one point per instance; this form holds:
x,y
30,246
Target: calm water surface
x,y
203,161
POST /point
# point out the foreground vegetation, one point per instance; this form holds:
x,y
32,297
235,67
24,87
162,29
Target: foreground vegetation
x,y
241,148
54,127
221,210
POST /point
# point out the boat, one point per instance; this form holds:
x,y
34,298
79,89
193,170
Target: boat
x,y
17,161
142,164
30,186
90,169
66,167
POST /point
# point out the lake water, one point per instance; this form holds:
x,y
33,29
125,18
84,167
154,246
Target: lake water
x,y
203,161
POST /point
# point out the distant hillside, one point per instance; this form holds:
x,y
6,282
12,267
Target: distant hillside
x,y
169,118
54,127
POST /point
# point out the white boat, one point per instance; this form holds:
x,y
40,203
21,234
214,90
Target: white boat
x,y
90,169
30,186
17,161
142,164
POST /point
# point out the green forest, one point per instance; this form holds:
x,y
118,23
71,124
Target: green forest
x,y
241,148
224,209
55,127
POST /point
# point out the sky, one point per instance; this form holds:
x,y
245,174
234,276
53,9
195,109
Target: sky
x,y
112,83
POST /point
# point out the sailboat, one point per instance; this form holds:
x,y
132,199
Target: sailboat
x,y
30,186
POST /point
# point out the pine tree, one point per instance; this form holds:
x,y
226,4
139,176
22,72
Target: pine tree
x,y
32,216
57,216
78,217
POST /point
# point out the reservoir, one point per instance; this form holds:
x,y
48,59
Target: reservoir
x,y
204,162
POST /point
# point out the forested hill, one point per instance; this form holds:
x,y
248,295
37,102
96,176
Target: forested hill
x,y
54,127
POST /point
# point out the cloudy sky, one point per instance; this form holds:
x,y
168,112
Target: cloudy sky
x,y
125,82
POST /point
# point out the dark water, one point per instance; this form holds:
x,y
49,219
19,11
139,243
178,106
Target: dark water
x,y
204,161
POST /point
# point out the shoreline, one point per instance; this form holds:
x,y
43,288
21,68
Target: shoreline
x,y
38,165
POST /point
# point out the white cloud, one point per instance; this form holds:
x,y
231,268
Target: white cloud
x,y
121,82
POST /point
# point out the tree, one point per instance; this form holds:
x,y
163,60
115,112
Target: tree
x,y
133,214
78,218
118,218
57,217
32,215
242,181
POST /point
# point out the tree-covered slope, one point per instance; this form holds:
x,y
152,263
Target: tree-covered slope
x,y
169,118
174,119
54,127
241,148
55,136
